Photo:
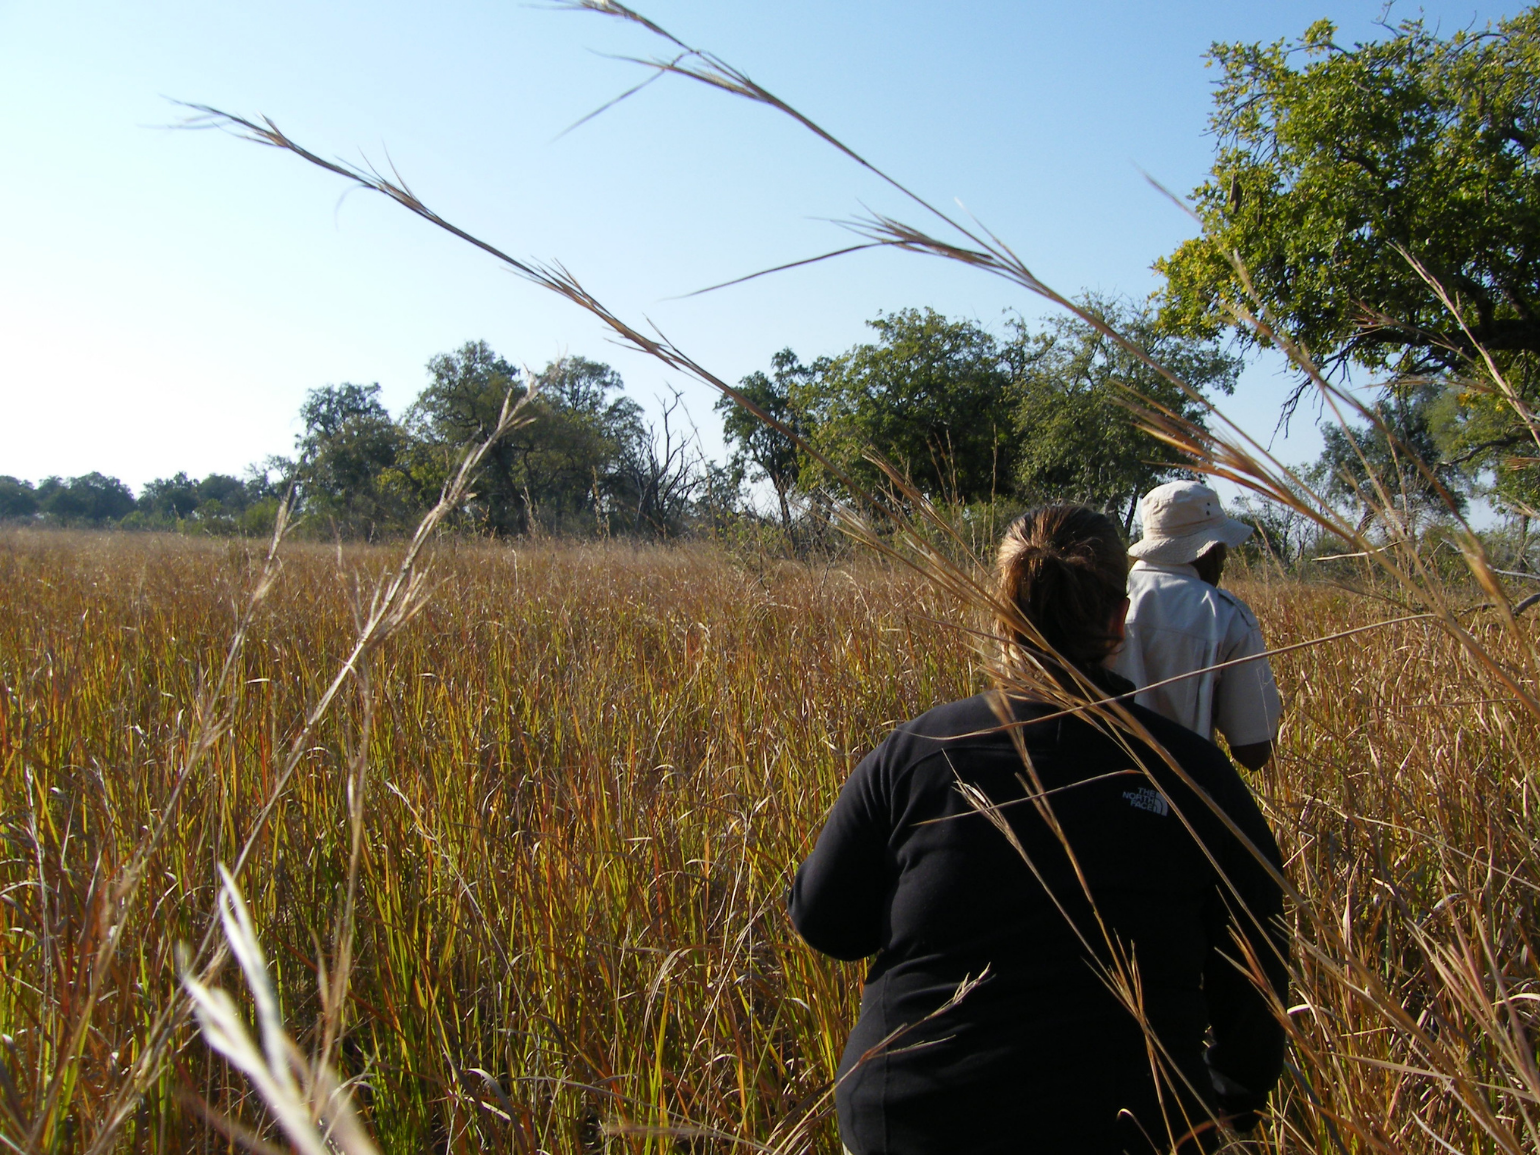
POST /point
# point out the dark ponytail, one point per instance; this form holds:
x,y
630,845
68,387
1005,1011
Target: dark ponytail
x,y
1065,569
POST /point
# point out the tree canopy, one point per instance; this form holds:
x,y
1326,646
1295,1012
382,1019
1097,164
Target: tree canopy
x,y
1074,438
347,451
966,415
571,461
587,461
931,395
760,451
90,499
1332,159
18,498
969,417
177,498
563,471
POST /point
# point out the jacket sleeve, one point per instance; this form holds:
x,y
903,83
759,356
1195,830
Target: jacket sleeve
x,y
838,901
1247,1053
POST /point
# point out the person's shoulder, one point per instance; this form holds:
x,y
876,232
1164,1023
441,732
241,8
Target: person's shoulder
x,y
969,722
1236,602
950,720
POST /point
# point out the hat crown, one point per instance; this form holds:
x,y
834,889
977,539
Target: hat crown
x,y
1179,508
1182,519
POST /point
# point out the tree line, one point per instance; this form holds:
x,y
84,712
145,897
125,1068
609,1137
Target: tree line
x,y
965,415
589,462
219,503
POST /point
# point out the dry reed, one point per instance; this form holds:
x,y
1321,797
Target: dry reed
x,y
594,769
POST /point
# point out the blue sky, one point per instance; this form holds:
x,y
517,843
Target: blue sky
x,y
167,297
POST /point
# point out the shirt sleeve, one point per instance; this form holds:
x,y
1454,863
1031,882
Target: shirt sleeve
x,y
1246,703
838,900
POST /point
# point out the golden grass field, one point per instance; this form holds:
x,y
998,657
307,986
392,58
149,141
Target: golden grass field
x,y
590,772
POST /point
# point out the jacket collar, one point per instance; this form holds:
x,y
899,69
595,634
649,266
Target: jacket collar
x,y
1168,567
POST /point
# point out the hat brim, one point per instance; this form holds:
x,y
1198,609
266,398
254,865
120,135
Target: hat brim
x,y
1185,549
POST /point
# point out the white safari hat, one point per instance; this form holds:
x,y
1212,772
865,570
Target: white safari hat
x,y
1181,519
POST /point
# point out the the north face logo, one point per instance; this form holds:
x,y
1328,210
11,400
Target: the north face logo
x,y
1147,799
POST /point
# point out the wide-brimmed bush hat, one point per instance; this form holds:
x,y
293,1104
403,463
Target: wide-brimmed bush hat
x,y
1181,519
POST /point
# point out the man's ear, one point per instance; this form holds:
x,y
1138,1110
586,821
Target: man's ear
x,y
1118,626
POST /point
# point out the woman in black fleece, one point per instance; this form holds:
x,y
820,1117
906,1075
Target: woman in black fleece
x,y
1042,1056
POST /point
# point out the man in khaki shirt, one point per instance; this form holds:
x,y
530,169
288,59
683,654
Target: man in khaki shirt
x,y
1180,622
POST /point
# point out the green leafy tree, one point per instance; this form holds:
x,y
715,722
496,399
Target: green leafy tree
x,y
562,471
460,405
1075,441
1475,430
169,499
464,395
91,499
1329,159
230,492
931,395
572,456
18,499
759,451
348,448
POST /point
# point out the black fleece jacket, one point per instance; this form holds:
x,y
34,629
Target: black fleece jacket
x,y
1042,1057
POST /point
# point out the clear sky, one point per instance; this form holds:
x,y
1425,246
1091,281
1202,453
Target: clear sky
x,y
167,297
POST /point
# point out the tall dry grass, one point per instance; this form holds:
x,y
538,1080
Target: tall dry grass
x,y
592,770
